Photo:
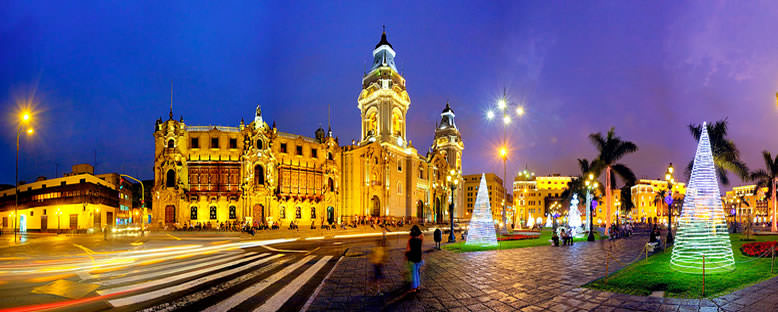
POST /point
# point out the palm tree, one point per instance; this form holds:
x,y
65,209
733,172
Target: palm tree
x,y
726,156
577,185
767,178
659,198
612,148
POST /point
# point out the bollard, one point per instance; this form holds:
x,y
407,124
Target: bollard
x,y
703,276
607,257
772,262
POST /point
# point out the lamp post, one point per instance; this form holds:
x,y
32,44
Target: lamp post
x,y
24,119
452,180
590,185
504,107
59,214
670,181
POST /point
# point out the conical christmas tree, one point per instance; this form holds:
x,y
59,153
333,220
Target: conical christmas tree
x,y
702,230
530,222
574,216
481,231
549,223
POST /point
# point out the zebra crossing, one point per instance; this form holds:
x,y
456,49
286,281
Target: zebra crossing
x,y
238,281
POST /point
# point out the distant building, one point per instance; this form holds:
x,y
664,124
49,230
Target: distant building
x,y
742,202
644,200
496,193
79,200
534,195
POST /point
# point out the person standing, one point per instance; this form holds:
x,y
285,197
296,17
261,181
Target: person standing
x,y
413,253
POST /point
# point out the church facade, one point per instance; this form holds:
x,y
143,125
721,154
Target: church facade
x,y
255,173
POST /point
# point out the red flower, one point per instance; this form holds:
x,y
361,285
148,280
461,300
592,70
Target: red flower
x,y
757,248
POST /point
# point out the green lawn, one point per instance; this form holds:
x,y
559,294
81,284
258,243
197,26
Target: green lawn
x,y
643,277
543,240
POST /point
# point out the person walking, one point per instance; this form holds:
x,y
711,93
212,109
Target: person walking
x,y
413,254
378,258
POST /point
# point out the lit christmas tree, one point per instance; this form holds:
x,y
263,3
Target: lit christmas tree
x,y
574,216
481,231
530,222
702,230
549,223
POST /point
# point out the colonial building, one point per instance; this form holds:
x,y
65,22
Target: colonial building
x,y
533,196
256,173
647,207
78,201
747,202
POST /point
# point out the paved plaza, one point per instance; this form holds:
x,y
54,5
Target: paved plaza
x,y
526,279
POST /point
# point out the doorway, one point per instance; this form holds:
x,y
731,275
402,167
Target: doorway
x,y
376,207
170,214
44,223
330,215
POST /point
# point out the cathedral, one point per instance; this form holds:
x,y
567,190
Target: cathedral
x,y
256,173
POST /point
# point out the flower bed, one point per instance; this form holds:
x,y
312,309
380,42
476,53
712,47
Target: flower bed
x,y
756,249
516,237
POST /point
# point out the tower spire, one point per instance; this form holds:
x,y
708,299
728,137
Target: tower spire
x,y
171,99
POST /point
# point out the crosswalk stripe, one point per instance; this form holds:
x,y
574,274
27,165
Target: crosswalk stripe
x,y
238,298
187,285
161,266
283,295
132,278
163,281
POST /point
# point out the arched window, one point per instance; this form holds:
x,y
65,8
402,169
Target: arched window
x,y
193,213
313,213
298,213
282,212
233,212
398,124
331,185
329,155
259,175
260,144
171,143
170,180
213,212
371,123
421,172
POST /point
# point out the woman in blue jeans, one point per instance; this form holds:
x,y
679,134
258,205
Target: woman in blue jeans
x,y
413,253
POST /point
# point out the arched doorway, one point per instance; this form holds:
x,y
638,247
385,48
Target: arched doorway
x,y
438,211
330,215
420,210
258,213
375,205
170,214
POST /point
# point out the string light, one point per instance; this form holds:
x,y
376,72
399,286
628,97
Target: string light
x,y
702,230
481,231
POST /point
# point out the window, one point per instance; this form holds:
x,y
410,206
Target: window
x,y
171,178
283,147
314,153
195,143
214,142
233,143
170,143
298,213
421,172
299,150
400,165
259,175
259,144
331,185
233,213
82,181
329,155
193,213
32,213
44,211
282,212
313,213
63,183
213,212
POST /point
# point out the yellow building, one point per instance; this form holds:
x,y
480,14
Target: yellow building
x,y
745,201
79,201
644,200
257,174
533,196
496,193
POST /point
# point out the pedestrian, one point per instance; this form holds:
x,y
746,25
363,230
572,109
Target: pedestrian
x,y
438,236
377,258
413,254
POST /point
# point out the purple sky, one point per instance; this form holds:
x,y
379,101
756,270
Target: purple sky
x,y
101,74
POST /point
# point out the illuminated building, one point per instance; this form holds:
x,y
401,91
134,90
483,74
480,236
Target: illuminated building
x,y
496,192
79,201
644,200
258,174
533,195
745,201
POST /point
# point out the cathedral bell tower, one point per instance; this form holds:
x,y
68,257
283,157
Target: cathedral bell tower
x,y
448,139
383,102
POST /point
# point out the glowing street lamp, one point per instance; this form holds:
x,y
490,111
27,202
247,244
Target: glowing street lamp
x,y
453,180
591,185
669,201
24,120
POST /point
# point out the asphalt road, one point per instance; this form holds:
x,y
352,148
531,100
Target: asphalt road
x,y
217,275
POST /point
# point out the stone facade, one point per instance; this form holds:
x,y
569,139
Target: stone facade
x,y
255,173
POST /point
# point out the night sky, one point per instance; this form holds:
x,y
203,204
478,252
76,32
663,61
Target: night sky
x,y
100,74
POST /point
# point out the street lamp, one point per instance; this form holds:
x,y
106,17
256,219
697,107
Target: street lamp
x,y
24,120
59,213
590,185
453,180
669,201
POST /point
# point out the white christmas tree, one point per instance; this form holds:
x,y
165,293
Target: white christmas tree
x,y
481,231
549,223
702,230
530,222
574,216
